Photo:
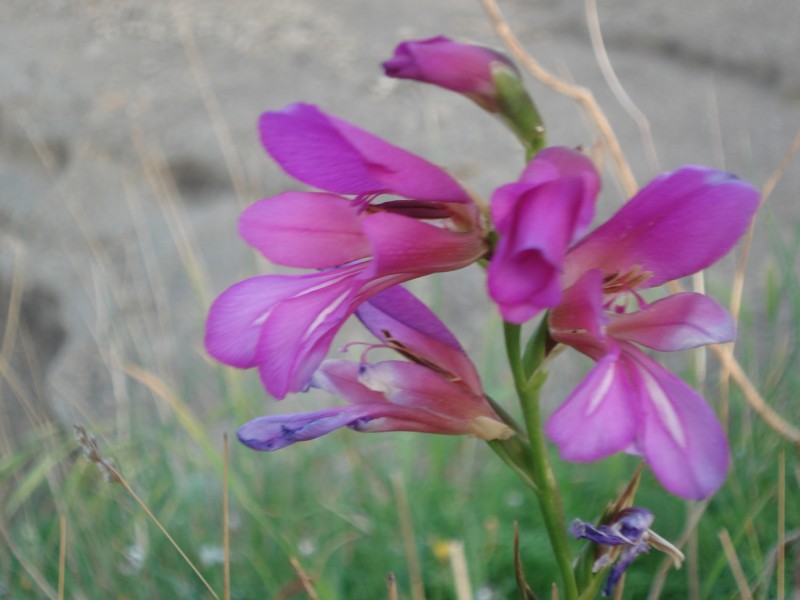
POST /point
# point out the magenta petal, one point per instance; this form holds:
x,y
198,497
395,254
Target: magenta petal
x,y
298,333
680,437
235,319
396,315
600,417
404,245
537,219
580,319
340,377
680,223
305,229
559,162
433,399
417,386
400,312
676,322
331,154
524,274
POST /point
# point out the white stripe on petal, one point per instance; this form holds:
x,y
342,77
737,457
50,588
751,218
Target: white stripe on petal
x,y
326,312
666,412
602,389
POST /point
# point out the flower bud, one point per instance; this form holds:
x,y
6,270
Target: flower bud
x,y
485,76
463,68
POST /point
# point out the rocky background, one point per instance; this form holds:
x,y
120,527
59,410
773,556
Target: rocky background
x,y
128,147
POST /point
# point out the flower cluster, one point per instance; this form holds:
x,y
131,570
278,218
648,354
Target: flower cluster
x,y
385,216
284,324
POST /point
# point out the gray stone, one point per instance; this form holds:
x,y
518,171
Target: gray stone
x,y
128,147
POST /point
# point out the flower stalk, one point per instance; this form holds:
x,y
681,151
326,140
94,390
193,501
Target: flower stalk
x,y
547,492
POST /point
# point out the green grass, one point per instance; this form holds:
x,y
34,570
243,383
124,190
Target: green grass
x,y
333,505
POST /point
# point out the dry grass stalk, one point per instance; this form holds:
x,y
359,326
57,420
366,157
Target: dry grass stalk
x,y
409,539
525,591
780,585
695,512
215,113
36,576
581,95
458,565
735,565
391,586
305,580
226,525
62,554
112,475
610,75
737,287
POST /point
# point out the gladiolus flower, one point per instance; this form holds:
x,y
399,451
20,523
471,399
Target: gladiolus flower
x,y
679,224
437,391
284,324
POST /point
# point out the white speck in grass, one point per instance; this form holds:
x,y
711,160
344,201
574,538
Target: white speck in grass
x,y
514,499
132,560
484,593
307,546
211,554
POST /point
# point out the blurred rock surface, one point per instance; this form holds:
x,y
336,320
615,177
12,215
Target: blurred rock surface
x,y
128,147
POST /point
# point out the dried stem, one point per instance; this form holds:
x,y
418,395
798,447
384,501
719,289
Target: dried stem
x,y
780,559
112,475
581,95
304,578
391,586
696,511
215,113
226,525
409,541
599,47
735,565
34,573
754,398
62,554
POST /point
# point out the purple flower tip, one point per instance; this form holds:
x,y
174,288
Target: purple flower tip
x,y
463,68
629,529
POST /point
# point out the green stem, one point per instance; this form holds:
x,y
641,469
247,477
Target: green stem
x,y
541,472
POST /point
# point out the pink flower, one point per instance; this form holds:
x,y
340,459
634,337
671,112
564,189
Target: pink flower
x,y
679,224
438,391
284,324
538,217
464,68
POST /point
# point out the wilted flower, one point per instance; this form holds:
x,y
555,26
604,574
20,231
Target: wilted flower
x,y
436,391
284,324
626,536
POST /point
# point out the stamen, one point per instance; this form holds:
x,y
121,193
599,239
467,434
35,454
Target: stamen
x,y
363,201
619,285
405,351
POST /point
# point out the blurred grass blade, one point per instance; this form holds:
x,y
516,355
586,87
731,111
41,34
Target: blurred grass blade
x,y
525,591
